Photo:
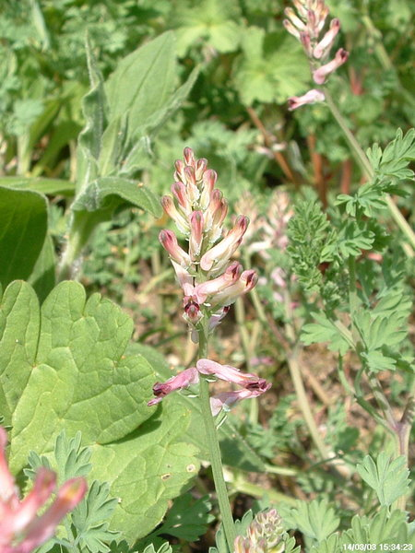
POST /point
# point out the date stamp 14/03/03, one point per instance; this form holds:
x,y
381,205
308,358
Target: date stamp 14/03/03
x,y
378,547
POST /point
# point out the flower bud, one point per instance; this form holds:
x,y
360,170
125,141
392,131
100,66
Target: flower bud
x,y
218,256
325,44
181,222
189,157
196,234
209,181
169,242
180,193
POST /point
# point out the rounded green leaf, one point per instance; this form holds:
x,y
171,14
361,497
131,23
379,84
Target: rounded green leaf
x,y
63,366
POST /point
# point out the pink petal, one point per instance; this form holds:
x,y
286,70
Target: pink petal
x,y
182,380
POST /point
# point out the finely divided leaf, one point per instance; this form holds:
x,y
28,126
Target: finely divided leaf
x,y
315,520
325,330
388,478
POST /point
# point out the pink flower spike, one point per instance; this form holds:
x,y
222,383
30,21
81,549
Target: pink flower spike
x,y
220,254
319,75
311,97
169,242
323,47
182,380
196,234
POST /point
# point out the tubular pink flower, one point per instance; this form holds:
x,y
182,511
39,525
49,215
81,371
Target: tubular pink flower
x,y
26,511
196,234
191,186
182,380
179,174
200,168
212,287
225,400
21,530
219,255
231,374
183,276
229,295
171,210
294,19
189,157
291,29
217,317
311,97
209,181
69,495
325,44
306,42
169,242
301,8
180,193
320,74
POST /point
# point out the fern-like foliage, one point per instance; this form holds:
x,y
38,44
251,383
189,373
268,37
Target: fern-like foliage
x,y
389,479
86,528
310,234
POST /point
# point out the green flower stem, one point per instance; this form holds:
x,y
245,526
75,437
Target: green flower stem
x,y
366,167
214,449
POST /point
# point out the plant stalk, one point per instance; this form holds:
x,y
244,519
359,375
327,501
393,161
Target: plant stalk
x,y
214,449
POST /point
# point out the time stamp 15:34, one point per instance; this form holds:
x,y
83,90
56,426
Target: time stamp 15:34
x,y
378,547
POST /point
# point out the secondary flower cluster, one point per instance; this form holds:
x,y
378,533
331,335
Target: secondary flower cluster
x,y
264,535
251,385
307,24
209,281
21,529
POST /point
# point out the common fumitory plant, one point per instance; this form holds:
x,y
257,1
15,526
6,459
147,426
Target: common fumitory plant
x,y
308,24
211,283
21,528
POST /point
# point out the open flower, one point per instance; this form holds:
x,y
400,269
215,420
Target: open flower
x,y
21,529
251,384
